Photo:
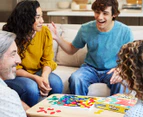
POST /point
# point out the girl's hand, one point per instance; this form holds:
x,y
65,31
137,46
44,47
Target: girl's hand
x,y
115,77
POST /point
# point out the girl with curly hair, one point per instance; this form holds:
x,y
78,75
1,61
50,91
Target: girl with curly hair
x,y
34,75
131,70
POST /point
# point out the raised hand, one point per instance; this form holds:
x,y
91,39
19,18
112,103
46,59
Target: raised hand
x,y
56,33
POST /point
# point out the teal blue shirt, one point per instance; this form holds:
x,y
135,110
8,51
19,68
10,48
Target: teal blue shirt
x,y
103,47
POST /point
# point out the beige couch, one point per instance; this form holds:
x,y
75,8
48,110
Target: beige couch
x,y
67,64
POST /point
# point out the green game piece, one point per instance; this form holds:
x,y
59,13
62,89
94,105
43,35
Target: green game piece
x,y
55,98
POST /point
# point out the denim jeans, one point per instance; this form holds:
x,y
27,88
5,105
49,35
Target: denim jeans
x,y
86,75
28,89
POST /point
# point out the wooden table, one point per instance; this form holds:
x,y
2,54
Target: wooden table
x,y
67,111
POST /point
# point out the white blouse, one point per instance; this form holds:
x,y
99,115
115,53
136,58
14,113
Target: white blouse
x,y
136,110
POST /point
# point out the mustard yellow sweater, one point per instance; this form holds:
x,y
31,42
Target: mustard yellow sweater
x,y
39,53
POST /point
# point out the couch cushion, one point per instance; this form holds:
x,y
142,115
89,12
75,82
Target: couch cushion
x,y
63,58
55,48
64,73
98,90
137,32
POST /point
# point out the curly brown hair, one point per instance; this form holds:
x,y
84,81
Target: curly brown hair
x,y
21,23
101,5
130,64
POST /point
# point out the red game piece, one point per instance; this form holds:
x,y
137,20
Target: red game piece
x,y
41,107
66,104
50,109
45,111
58,111
73,102
52,112
58,102
42,111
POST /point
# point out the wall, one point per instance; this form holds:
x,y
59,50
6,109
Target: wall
x,y
49,4
52,4
6,6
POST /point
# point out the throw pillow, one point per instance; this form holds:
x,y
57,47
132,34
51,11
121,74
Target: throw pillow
x,y
63,58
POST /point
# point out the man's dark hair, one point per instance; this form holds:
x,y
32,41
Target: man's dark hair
x,y
101,5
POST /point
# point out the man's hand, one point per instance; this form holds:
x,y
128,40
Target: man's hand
x,y
115,77
56,35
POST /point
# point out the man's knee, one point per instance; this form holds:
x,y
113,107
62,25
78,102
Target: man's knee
x,y
74,77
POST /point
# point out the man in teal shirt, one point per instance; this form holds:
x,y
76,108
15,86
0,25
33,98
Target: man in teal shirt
x,y
104,37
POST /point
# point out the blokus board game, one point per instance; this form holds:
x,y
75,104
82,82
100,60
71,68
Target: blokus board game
x,y
118,102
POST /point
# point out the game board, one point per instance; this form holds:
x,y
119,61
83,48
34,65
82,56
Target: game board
x,y
61,105
73,101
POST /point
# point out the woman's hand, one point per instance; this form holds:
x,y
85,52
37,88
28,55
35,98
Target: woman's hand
x,y
43,85
115,77
47,85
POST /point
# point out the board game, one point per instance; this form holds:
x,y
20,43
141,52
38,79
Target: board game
x,y
66,105
118,102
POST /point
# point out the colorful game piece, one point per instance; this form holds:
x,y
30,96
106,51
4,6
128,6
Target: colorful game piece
x,y
42,110
58,111
50,109
41,107
52,112
53,98
98,112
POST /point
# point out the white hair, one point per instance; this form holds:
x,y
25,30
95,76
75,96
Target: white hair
x,y
6,39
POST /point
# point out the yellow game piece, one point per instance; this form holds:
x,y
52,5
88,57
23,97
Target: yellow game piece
x,y
82,106
98,112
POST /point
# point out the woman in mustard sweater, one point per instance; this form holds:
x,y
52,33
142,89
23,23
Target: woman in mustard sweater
x,y
35,45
